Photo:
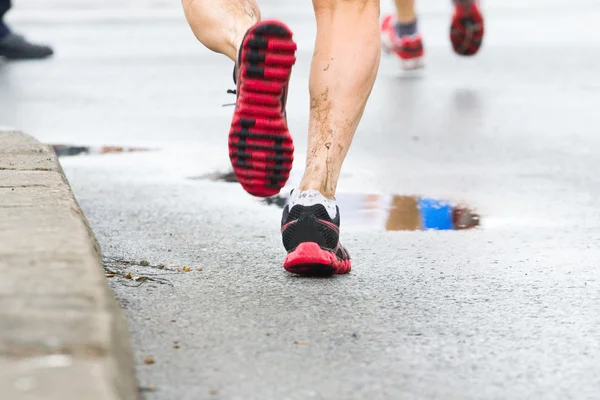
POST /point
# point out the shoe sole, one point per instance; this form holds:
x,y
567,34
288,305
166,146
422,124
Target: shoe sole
x,y
407,64
466,30
261,148
312,260
412,64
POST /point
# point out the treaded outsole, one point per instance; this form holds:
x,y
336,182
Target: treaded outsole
x,y
311,260
467,30
261,148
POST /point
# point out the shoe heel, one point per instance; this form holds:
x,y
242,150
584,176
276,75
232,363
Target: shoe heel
x,y
310,259
306,231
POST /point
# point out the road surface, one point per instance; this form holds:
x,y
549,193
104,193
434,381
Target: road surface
x,y
509,310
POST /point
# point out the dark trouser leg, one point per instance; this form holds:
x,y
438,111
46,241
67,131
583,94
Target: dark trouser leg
x,y
4,7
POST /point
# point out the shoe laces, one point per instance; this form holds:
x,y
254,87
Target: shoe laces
x,y
230,91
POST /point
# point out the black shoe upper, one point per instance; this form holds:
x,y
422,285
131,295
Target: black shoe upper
x,y
309,224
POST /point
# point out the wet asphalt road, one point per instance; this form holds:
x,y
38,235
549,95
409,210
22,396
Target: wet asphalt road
x,y
507,311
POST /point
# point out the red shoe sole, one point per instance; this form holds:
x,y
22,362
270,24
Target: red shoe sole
x,y
310,259
261,148
466,30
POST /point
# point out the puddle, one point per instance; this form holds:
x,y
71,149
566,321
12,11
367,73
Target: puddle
x,y
70,150
384,212
398,213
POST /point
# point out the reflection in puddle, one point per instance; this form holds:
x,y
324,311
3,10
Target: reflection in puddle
x,y
385,212
398,213
69,150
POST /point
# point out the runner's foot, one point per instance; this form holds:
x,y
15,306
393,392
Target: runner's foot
x,y
467,27
310,227
260,145
408,45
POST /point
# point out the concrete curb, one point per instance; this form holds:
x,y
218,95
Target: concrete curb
x,y
62,333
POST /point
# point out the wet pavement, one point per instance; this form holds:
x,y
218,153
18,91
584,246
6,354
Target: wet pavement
x,y
506,310
387,212
64,150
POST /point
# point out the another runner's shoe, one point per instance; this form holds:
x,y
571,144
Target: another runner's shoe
x,y
466,29
260,146
311,239
409,48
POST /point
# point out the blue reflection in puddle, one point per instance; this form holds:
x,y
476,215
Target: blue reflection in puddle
x,y
398,213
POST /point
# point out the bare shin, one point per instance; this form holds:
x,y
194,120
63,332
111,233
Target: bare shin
x,y
405,10
343,70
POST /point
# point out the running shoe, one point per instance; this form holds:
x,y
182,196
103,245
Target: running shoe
x,y
16,47
311,238
261,148
467,28
409,48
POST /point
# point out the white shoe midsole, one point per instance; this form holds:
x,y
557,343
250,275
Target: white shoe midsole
x,y
413,63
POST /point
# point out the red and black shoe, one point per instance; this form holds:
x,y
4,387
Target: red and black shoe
x,y
408,48
467,28
261,149
311,238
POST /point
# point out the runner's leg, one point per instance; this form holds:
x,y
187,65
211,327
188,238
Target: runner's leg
x,y
343,70
4,7
260,145
405,11
220,25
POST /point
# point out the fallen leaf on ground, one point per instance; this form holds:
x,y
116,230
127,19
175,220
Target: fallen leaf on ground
x,y
186,269
200,269
109,275
128,276
139,278
149,360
